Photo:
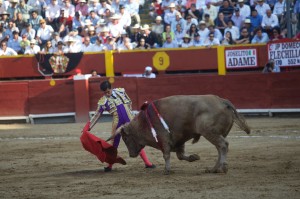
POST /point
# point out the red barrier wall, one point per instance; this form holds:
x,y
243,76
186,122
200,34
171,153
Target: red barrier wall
x,y
43,98
246,91
91,61
18,66
14,98
180,60
128,62
27,66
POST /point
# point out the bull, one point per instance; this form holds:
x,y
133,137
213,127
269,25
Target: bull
x,y
188,117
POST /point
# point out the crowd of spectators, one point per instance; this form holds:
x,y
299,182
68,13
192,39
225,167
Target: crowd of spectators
x,y
70,26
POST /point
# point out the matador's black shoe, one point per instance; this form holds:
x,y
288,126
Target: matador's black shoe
x,y
150,166
107,169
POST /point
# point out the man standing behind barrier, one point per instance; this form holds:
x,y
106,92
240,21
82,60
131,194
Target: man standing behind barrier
x,y
118,104
148,73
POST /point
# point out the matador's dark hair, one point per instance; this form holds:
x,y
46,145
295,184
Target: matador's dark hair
x,y
105,85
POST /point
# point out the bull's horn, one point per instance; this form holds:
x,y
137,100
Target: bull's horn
x,y
118,131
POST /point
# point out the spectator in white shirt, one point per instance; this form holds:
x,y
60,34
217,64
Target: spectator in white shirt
x,y
203,30
115,27
94,5
14,42
78,21
211,41
216,32
245,10
260,37
74,36
262,7
12,9
39,5
237,18
111,43
158,27
133,8
165,4
32,48
178,20
29,31
98,46
71,46
93,17
115,6
279,8
170,14
169,43
126,45
189,22
103,6
87,46
8,33
198,41
56,39
211,10
235,32
3,6
44,33
60,49
52,14
6,51
125,19
179,34
269,21
34,20
148,73
25,9
186,41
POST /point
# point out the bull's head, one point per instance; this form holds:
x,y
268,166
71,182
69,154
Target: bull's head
x,y
130,137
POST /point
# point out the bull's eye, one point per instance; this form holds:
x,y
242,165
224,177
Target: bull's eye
x,y
124,138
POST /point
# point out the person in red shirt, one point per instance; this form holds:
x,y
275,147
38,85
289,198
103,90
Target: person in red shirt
x,y
156,9
276,34
297,36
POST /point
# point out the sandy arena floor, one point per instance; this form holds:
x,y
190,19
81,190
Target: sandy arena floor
x,y
48,161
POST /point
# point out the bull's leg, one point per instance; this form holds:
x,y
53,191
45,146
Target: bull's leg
x,y
167,156
222,146
180,152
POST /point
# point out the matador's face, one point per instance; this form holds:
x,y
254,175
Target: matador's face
x,y
108,92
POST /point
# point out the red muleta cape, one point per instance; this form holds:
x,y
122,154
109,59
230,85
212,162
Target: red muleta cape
x,y
102,150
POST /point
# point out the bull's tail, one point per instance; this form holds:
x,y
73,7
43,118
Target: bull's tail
x,y
238,118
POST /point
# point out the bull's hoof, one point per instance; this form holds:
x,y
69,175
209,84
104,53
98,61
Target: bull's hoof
x,y
168,172
221,169
194,157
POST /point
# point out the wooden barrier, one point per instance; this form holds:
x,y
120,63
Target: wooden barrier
x,y
14,99
246,91
170,60
27,66
44,98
